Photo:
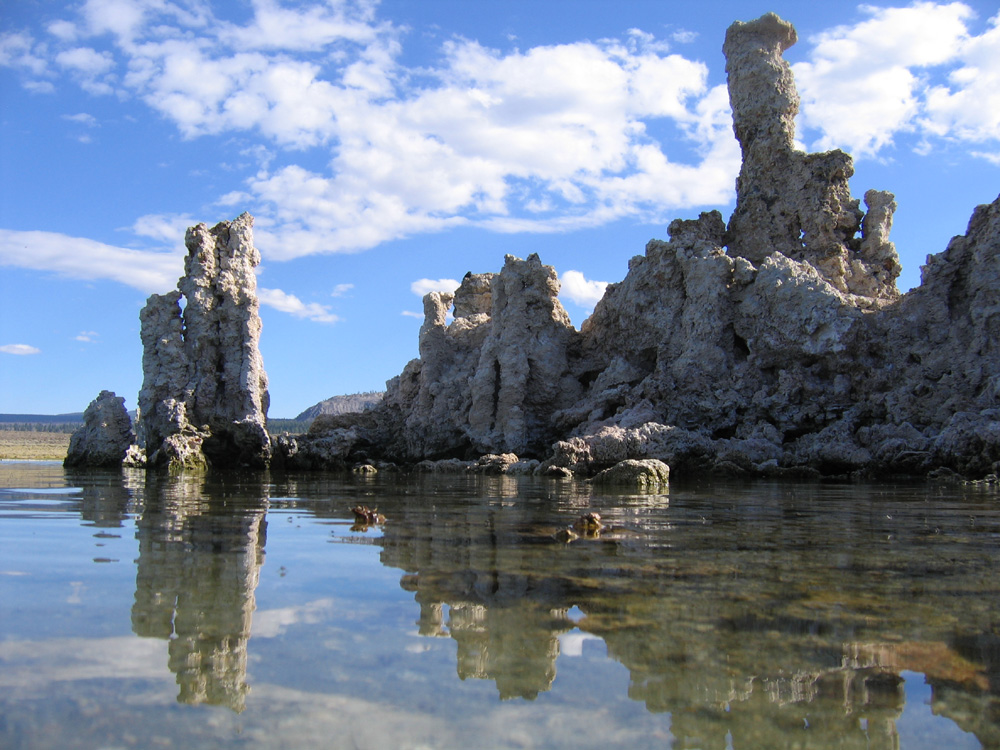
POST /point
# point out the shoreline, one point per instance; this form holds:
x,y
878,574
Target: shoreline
x,y
18,445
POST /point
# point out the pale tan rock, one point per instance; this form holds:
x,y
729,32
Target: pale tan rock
x,y
798,204
203,376
645,474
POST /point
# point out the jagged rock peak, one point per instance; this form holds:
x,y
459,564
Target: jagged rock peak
x,y
204,395
761,85
794,203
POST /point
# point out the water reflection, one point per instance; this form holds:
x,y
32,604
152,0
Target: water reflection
x,y
791,618
200,551
766,615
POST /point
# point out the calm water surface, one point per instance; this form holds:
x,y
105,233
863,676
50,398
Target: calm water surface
x,y
246,611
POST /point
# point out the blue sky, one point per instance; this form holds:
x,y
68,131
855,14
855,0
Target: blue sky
x,y
387,148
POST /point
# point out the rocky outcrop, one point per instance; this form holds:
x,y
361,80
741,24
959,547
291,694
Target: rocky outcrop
x,y
105,436
645,474
204,394
777,343
490,380
793,203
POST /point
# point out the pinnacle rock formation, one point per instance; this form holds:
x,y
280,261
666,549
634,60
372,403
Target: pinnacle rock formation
x,y
105,436
798,204
777,343
204,394
491,379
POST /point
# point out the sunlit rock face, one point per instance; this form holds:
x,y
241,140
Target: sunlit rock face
x,y
204,395
775,343
790,202
490,379
105,436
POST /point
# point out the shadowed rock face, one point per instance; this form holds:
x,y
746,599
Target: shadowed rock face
x,y
105,436
204,394
778,342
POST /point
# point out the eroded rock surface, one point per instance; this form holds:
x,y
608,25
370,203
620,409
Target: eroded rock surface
x,y
489,380
204,395
774,344
105,436
793,203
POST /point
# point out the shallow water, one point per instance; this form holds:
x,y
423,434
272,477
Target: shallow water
x,y
246,611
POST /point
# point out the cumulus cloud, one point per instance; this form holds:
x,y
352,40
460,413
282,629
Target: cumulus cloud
x,y
289,303
81,258
544,139
422,287
867,83
88,337
19,349
82,118
166,228
584,292
341,289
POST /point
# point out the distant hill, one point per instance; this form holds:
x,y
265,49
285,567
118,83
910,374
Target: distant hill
x,y
351,404
41,418
41,422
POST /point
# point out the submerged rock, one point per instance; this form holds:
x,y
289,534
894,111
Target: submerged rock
x,y
645,474
105,436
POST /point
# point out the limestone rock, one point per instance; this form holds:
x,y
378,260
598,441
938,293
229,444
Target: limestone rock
x,y
105,436
646,474
204,387
774,344
798,204
490,380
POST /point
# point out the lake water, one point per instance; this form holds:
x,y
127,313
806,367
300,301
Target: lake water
x,y
248,611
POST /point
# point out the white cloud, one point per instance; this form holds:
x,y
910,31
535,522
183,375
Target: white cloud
x,y
543,139
866,83
81,258
82,118
86,61
991,157
422,287
19,349
341,289
87,336
584,292
166,228
968,106
557,133
64,30
289,303
412,314
18,50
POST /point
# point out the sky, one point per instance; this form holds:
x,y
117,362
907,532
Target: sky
x,y
387,148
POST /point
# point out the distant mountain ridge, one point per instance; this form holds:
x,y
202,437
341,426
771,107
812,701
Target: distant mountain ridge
x,y
41,418
353,403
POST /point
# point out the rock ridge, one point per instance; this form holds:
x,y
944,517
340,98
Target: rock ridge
x,y
773,344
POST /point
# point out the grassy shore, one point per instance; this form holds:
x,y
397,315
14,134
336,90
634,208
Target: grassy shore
x,y
17,444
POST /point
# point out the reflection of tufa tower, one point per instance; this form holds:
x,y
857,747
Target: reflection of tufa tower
x,y
199,559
